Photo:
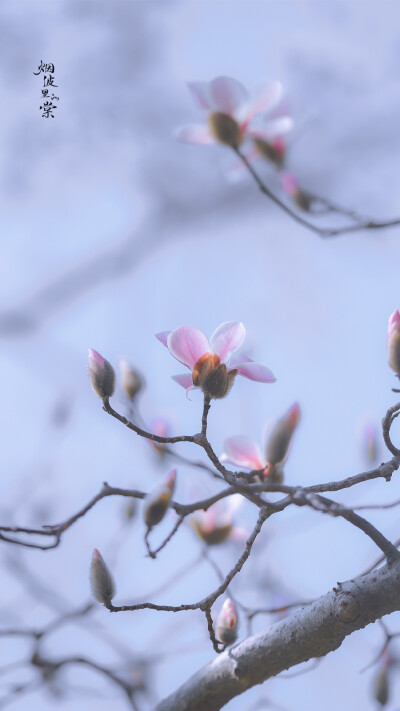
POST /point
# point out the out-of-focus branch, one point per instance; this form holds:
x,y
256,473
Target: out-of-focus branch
x,y
360,224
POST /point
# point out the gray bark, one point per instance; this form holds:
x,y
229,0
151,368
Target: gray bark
x,y
312,632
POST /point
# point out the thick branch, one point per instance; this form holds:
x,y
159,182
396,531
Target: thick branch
x,y
314,631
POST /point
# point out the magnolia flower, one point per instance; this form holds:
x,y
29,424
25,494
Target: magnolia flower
x,y
101,374
230,109
157,502
215,525
101,581
393,342
244,452
226,628
214,364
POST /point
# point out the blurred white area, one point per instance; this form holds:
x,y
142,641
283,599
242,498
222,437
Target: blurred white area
x,y
113,232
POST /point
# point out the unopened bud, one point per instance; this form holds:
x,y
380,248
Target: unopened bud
x,y
130,509
279,440
393,342
291,187
225,129
101,581
381,691
214,535
158,500
273,151
130,380
101,374
226,629
275,474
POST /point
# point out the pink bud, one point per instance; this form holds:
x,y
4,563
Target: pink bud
x,y
281,435
101,374
101,581
290,186
158,500
226,629
393,342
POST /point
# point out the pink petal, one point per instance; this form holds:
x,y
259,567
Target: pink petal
x,y
243,452
194,133
227,94
200,91
95,359
185,380
162,337
227,338
254,371
237,358
265,98
188,344
272,129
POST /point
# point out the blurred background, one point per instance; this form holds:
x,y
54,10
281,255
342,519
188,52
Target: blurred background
x,y
113,231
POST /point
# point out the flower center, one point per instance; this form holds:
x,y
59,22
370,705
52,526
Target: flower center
x,y
225,129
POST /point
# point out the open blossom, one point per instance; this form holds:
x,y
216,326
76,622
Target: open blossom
x,y
101,374
244,452
393,342
230,109
215,363
226,628
216,525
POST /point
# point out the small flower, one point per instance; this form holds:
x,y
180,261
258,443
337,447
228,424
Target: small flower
x,y
290,186
226,628
244,452
130,380
214,364
158,500
230,110
101,581
101,374
393,342
215,525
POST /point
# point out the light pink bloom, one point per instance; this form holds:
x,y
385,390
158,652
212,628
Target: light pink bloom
x,y
226,628
215,363
226,97
216,525
393,342
244,452
159,427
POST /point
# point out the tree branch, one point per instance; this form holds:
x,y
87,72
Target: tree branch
x,y
314,631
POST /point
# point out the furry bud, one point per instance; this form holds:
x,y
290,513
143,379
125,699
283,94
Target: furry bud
x,y
130,380
158,500
101,374
226,629
381,691
279,440
101,581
